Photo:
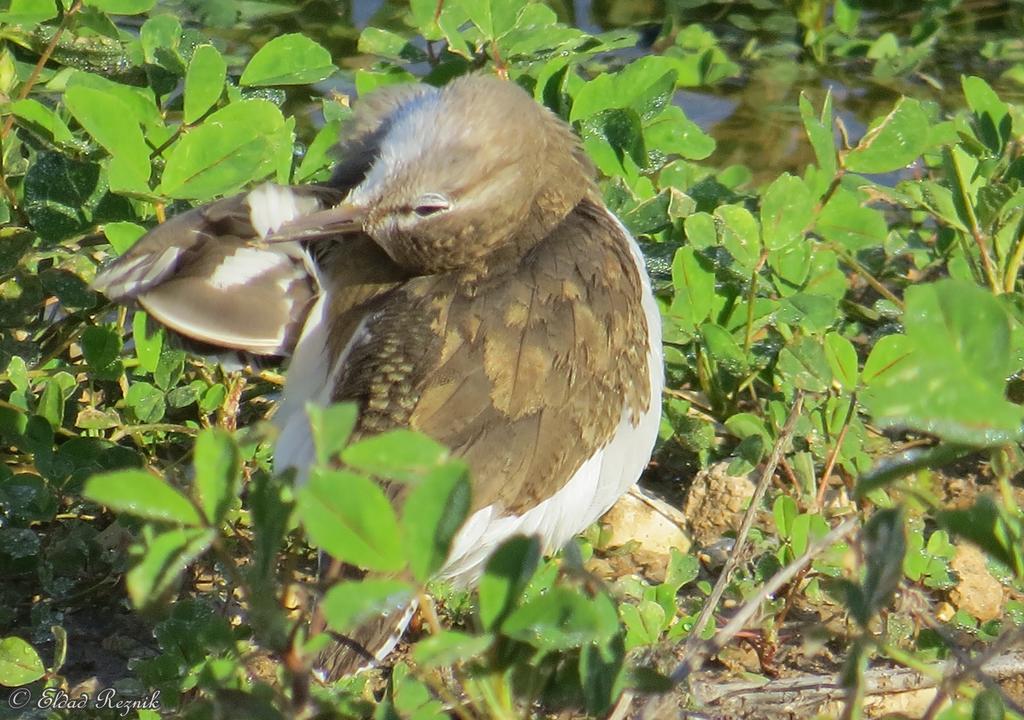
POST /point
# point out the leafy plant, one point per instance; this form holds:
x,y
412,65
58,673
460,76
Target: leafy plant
x,y
875,284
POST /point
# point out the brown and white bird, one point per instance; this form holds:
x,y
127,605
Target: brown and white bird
x,y
459,275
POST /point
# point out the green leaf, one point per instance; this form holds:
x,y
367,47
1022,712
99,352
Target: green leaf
x,y
724,349
349,516
820,133
204,82
291,59
101,346
352,602
397,455
166,556
431,516
140,101
233,146
318,155
146,401
893,142
113,126
376,41
953,382
122,7
331,428
740,234
803,363
694,289
160,37
988,705
449,648
19,663
136,492
991,114
148,346
786,212
784,510
508,572
561,619
885,358
29,12
218,469
39,117
493,17
842,358
846,221
169,368
122,235
885,544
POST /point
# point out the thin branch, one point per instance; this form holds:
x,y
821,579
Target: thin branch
x,y
834,455
691,653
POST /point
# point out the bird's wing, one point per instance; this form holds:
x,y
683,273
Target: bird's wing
x,y
525,376
204,274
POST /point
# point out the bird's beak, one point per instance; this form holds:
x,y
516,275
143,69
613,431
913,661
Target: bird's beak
x,y
343,219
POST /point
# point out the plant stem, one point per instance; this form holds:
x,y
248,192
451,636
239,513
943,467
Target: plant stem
x,y
831,462
972,221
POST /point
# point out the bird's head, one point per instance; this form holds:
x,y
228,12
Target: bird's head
x,y
467,174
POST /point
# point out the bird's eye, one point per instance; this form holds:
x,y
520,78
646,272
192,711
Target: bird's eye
x,y
431,204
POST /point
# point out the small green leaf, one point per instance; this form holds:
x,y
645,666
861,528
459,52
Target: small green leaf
x,y
218,467
892,143
122,235
820,133
450,648
349,516
376,41
19,663
952,383
148,347
803,363
204,82
988,705
846,221
101,346
992,115
136,492
233,146
885,544
694,286
29,12
122,7
493,17
291,59
561,619
166,557
842,358
146,402
396,455
352,602
114,127
784,511
169,368
431,516
786,212
36,115
331,428
508,572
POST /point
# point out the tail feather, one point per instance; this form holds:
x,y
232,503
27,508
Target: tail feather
x,y
366,646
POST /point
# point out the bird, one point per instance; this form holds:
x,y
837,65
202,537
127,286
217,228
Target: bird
x,y
459,275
